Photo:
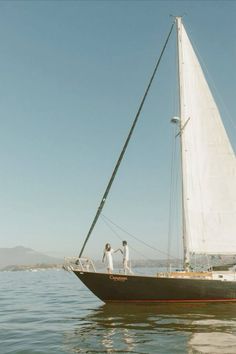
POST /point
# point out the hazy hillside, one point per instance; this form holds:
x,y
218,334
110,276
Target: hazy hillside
x,y
24,256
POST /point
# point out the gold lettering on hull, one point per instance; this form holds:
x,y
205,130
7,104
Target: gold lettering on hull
x,y
117,278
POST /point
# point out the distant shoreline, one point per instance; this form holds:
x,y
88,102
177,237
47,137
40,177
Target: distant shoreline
x,y
161,263
98,265
43,266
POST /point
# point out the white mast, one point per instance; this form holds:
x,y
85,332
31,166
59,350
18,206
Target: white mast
x,y
180,76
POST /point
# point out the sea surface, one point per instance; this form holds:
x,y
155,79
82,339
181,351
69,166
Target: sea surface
x,y
52,312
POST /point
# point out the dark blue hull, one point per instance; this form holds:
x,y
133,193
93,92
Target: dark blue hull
x,y
133,288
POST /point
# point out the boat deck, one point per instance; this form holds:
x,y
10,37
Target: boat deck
x,y
87,265
223,275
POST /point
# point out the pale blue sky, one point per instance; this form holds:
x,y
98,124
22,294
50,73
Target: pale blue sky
x,y
72,74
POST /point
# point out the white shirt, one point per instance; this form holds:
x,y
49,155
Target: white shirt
x,y
126,253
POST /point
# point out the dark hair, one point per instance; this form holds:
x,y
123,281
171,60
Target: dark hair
x,y
124,243
107,247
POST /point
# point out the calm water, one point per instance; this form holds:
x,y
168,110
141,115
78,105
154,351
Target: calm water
x,y
52,312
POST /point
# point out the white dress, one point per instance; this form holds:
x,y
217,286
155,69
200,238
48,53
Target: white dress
x,y
109,260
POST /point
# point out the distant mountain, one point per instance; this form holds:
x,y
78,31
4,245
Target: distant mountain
x,y
24,256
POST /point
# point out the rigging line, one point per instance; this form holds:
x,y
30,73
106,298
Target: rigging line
x,y
101,205
117,235
136,238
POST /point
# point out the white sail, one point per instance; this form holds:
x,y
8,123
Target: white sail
x,y
208,161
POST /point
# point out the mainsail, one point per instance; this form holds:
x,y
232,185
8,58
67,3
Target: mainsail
x,y
208,161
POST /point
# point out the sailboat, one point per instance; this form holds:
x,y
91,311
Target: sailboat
x,y
208,167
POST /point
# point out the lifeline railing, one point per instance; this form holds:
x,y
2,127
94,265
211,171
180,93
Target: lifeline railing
x,y
79,264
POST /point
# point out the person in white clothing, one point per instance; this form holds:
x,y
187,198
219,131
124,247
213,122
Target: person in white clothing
x,y
107,255
126,258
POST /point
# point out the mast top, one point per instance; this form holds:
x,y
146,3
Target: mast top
x,y
178,20
177,17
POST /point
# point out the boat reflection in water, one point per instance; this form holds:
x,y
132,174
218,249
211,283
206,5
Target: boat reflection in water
x,y
182,328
